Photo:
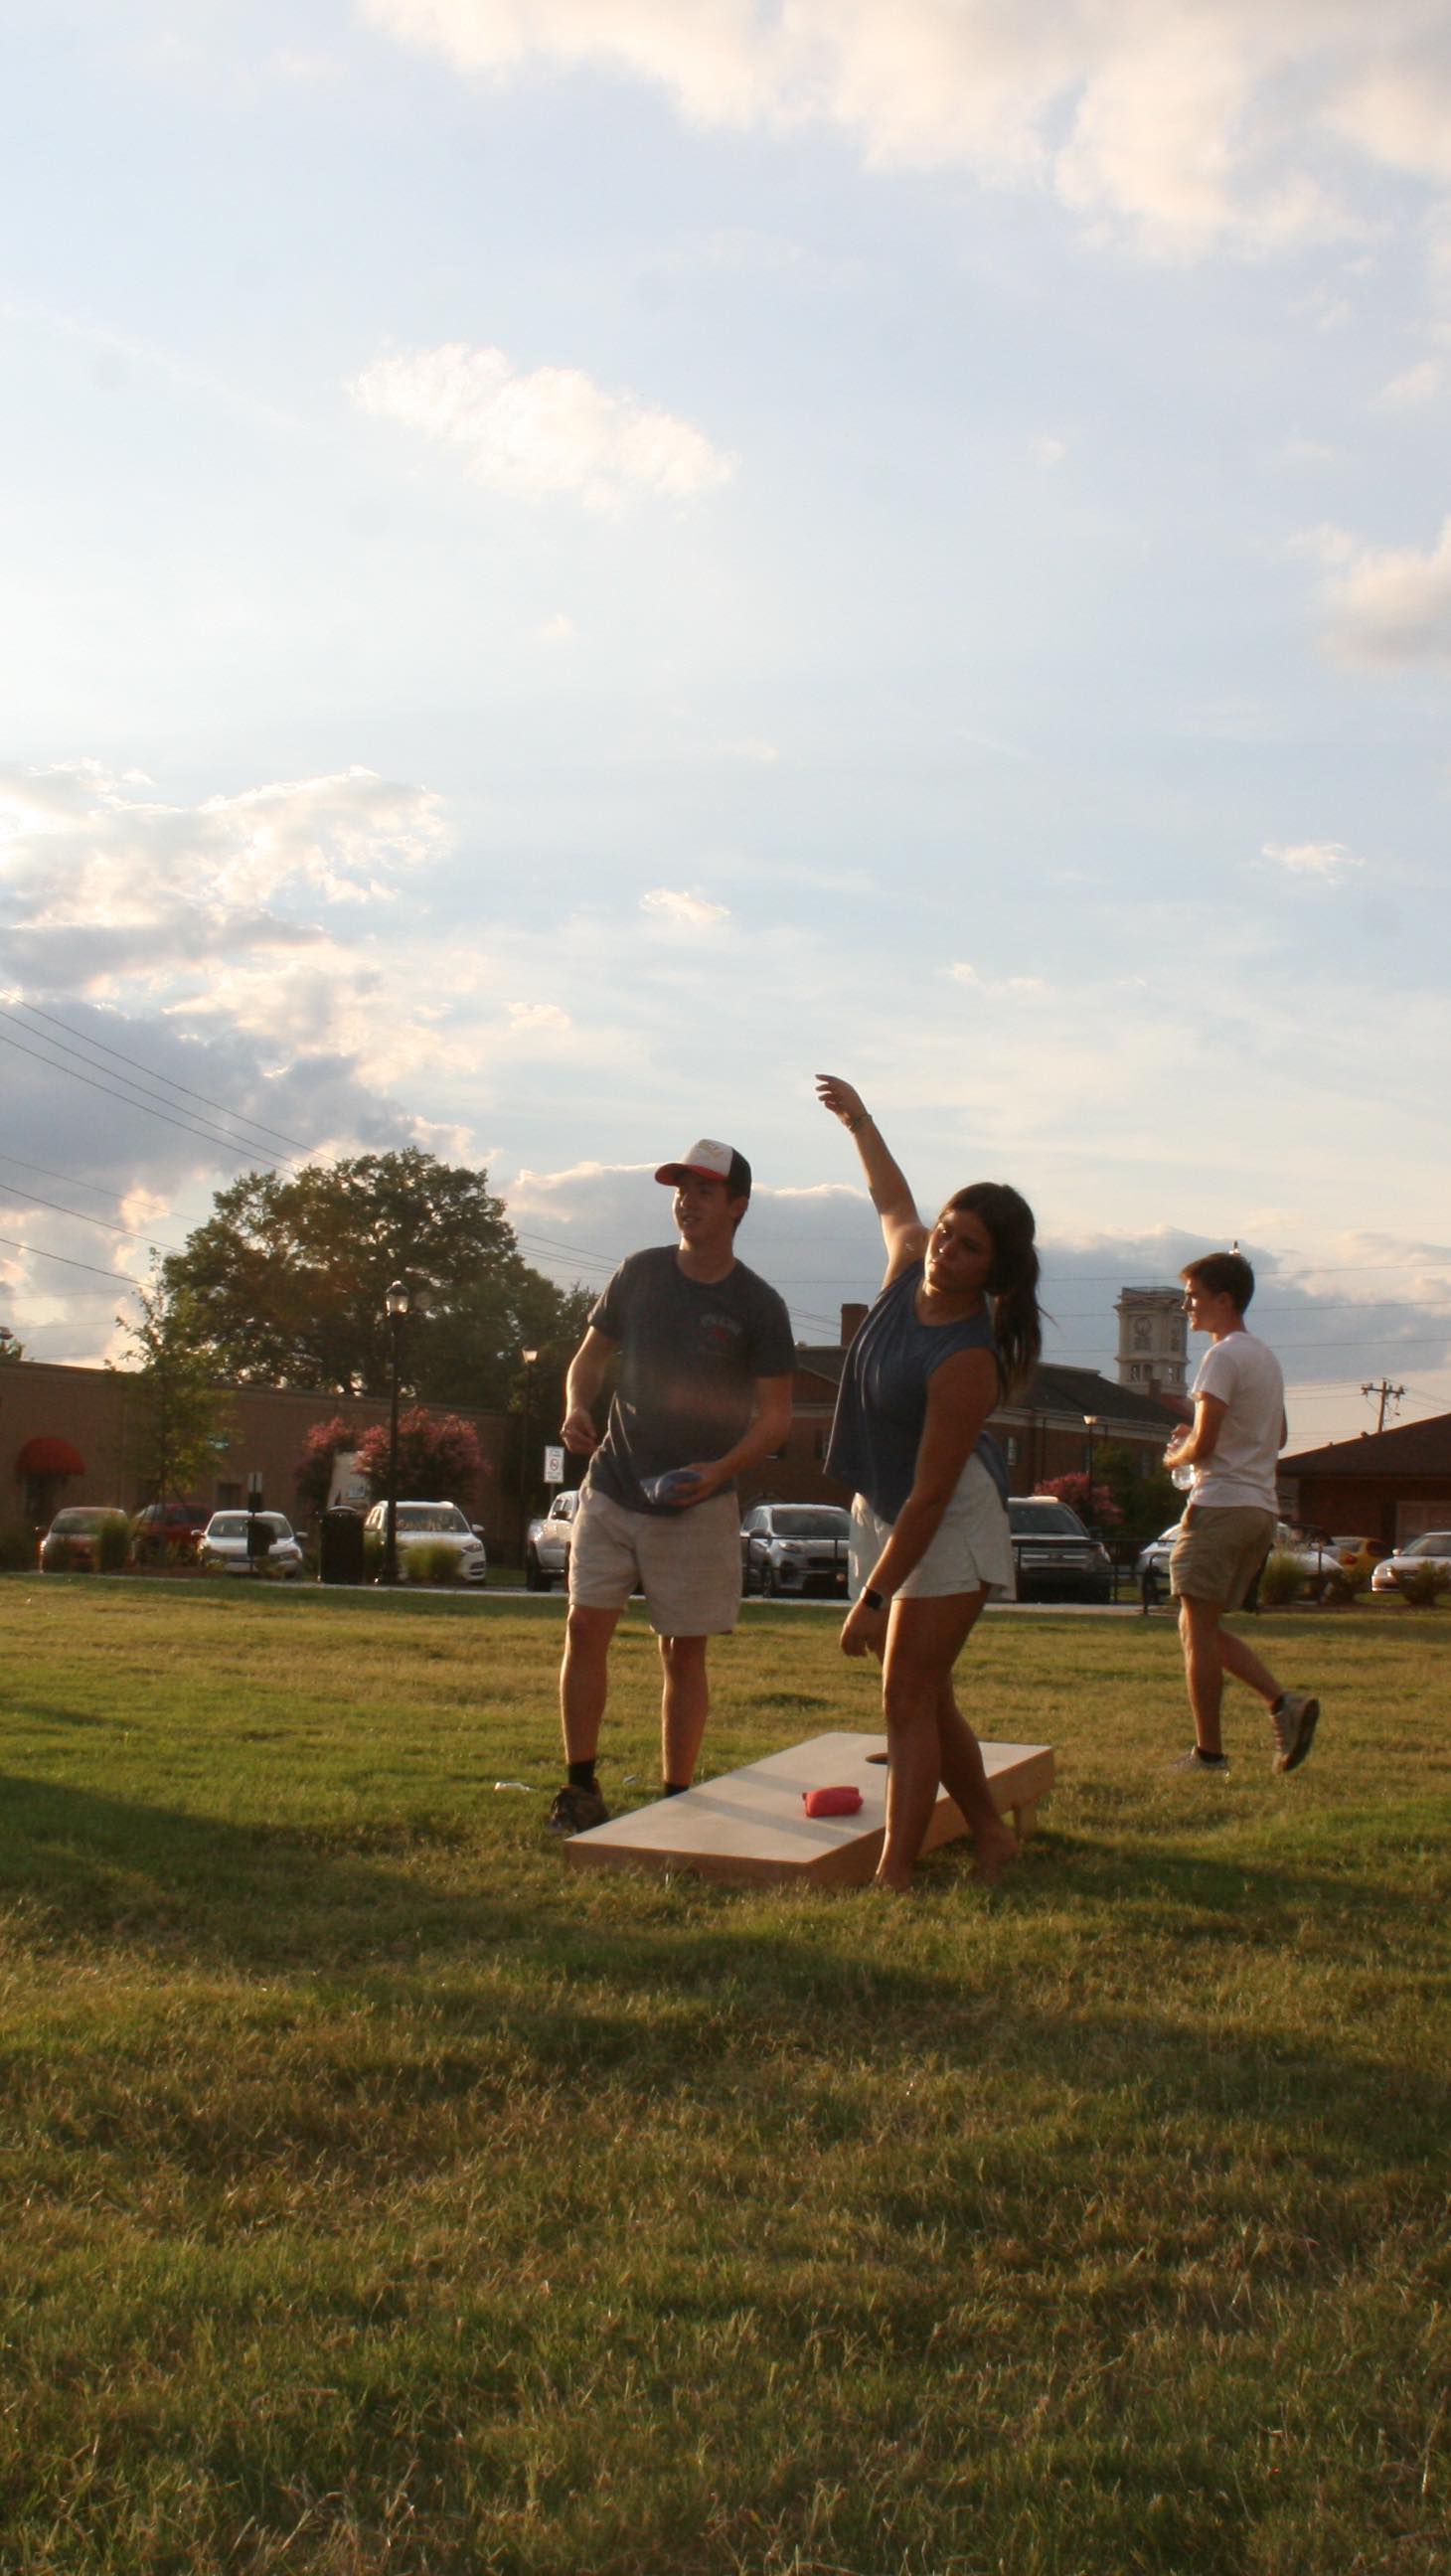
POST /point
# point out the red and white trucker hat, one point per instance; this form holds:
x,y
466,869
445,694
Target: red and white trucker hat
x,y
709,1160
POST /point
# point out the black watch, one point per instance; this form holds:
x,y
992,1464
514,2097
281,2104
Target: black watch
x,y
874,1600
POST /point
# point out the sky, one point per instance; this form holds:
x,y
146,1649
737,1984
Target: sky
x,y
569,564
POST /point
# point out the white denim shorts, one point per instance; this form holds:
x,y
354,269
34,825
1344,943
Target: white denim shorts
x,y
971,1546
688,1567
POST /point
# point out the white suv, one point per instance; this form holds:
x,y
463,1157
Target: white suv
x,y
433,1525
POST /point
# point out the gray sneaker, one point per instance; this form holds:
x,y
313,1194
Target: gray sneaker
x,y
575,1811
1216,1765
1294,1719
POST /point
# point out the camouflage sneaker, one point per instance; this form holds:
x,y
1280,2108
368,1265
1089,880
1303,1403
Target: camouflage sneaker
x,y
1294,1719
575,1811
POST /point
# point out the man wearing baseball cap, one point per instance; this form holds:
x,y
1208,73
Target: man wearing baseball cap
x,y
703,1395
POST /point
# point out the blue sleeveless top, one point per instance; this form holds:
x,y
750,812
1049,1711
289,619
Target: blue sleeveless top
x,y
882,1405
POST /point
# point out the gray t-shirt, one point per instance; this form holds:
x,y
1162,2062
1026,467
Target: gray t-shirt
x,y
690,1356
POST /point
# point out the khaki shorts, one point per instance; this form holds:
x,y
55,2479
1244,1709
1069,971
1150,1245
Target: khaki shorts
x,y
1219,1551
970,1548
688,1567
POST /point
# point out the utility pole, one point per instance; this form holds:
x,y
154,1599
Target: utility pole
x,y
1385,1394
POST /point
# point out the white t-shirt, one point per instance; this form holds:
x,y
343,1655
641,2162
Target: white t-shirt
x,y
1245,1375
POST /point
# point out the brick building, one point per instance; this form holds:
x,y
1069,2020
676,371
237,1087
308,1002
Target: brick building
x,y
1388,1486
71,1435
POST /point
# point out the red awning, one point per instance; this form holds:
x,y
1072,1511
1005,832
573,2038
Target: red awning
x,y
47,1457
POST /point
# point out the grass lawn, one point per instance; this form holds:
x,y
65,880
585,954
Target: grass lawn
x,y
379,2195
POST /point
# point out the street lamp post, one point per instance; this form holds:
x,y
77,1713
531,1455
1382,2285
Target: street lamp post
x,y
529,1358
396,1305
1091,1422
1094,1422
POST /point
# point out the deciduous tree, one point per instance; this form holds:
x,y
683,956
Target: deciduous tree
x,y
177,1415
286,1281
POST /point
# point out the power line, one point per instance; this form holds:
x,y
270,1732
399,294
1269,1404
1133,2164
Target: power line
x,y
34,1253
81,1218
100,1048
188,1126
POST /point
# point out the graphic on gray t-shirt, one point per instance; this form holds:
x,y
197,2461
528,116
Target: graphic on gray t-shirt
x,y
690,1355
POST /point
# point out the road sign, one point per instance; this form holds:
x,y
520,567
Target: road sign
x,y
254,1481
553,1466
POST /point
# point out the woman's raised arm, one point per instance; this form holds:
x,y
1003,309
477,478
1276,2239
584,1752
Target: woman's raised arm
x,y
903,1231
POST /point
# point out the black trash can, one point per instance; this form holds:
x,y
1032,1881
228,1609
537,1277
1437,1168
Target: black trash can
x,y
340,1548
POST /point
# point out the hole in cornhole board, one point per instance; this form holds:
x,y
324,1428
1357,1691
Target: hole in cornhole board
x,y
877,1757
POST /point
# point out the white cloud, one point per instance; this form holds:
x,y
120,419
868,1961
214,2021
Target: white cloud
x,y
1192,122
549,429
1327,859
682,909
1049,452
997,989
1308,451
1417,385
526,1017
213,911
1385,604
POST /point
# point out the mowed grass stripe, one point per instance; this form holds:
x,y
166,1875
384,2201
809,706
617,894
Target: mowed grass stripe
x,y
380,2196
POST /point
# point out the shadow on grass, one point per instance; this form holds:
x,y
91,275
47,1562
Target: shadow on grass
x,y
698,1996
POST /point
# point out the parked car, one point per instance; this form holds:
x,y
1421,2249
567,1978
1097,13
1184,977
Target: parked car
x,y
433,1525
1151,1565
1320,1559
546,1542
1055,1557
1355,1558
72,1544
1432,1548
165,1530
222,1547
795,1548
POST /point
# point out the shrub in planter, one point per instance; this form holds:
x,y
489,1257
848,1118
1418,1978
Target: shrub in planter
x,y
1344,1582
435,1564
1282,1580
113,1543
1424,1585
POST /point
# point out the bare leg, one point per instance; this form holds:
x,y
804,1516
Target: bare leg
x,y
584,1680
965,1780
684,1706
1209,1653
923,1642
1244,1663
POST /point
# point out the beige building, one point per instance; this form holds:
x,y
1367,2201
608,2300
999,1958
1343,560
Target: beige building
x,y
1152,1339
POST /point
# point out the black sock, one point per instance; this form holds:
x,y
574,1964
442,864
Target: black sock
x,y
582,1776
673,1788
1213,1759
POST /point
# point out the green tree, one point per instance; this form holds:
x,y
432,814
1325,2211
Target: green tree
x,y
286,1281
1147,1497
178,1414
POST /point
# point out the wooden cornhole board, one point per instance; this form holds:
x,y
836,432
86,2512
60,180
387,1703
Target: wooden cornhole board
x,y
751,1827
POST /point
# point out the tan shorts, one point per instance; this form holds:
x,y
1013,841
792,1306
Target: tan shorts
x,y
970,1548
688,1567
1219,1551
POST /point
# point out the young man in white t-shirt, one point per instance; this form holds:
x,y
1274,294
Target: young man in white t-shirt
x,y
1232,1445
